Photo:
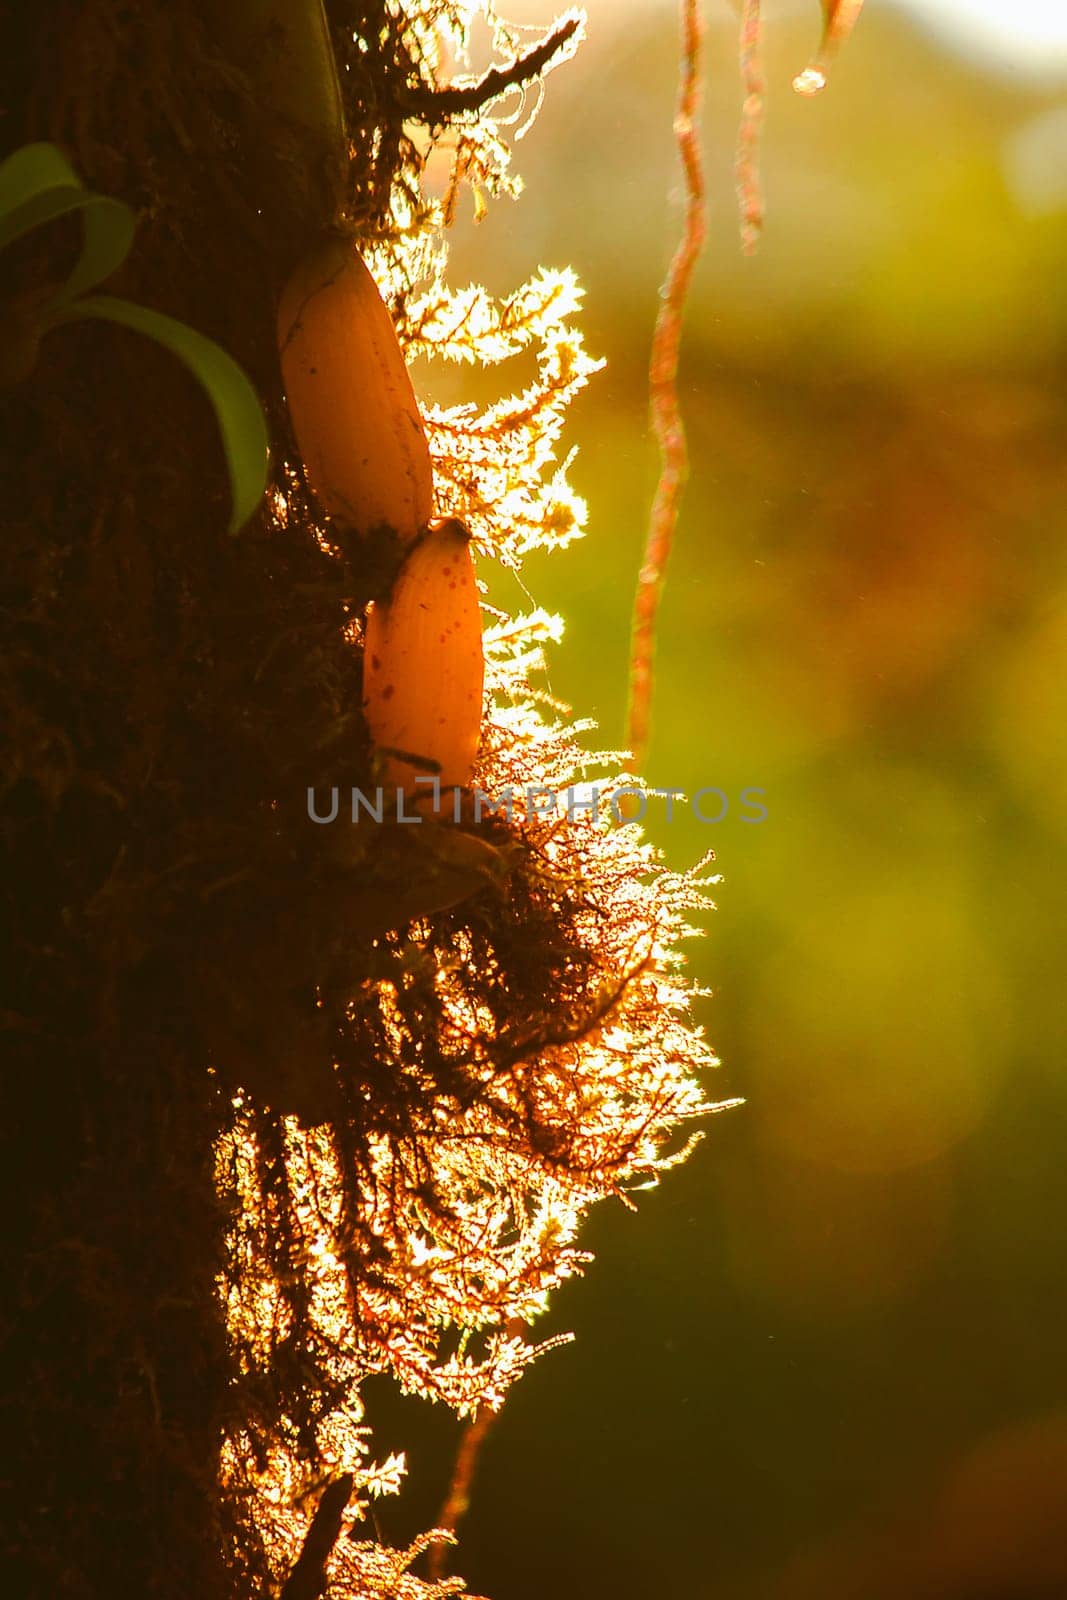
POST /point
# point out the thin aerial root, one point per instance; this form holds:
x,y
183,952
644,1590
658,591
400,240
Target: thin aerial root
x,y
746,165
458,1499
839,20
663,392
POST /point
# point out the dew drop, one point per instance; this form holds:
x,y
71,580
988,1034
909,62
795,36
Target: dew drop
x,y
811,81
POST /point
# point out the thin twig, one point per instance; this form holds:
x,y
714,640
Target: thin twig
x,y
436,105
307,1581
746,164
663,392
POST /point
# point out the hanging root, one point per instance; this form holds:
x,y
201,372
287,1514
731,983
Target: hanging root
x,y
746,164
839,20
663,392
457,1501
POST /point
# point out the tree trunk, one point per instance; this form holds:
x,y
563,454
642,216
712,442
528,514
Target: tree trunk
x,y
161,681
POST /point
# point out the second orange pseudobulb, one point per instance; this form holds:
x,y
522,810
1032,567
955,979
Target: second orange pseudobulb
x,y
423,666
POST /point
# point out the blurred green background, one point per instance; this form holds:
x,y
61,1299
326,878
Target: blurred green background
x,y
827,1357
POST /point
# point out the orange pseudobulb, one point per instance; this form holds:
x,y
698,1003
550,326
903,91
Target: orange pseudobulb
x,y
350,397
423,666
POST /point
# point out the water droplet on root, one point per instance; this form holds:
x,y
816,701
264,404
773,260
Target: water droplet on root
x,y
811,81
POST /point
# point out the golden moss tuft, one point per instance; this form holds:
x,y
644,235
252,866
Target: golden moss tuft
x,y
500,1065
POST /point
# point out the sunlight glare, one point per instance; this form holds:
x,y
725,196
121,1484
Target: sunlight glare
x,y
1031,36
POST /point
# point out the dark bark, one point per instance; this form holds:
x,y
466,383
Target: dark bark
x,y
160,682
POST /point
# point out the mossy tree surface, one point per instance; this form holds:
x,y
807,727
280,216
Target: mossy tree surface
x,y
221,1062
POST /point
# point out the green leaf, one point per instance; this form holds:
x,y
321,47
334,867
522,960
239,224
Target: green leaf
x,y
38,185
237,408
30,170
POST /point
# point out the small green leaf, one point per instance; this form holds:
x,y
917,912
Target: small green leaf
x,y
38,185
32,169
240,418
